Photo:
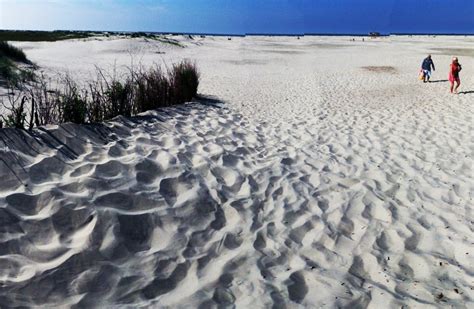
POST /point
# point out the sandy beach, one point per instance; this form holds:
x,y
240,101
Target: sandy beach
x,y
316,172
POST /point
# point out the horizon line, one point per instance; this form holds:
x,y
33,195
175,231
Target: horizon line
x,y
381,34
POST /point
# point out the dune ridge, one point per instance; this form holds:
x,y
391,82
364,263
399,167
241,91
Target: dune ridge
x,y
324,190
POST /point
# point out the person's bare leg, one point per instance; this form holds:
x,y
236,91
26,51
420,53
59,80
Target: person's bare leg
x,y
458,83
452,86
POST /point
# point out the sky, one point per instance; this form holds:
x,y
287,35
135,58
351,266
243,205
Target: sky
x,y
242,16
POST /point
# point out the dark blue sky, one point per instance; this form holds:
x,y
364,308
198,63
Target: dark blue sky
x,y
242,16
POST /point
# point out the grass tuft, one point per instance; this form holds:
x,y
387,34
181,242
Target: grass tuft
x,y
14,53
103,98
184,81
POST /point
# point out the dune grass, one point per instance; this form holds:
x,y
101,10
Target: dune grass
x,y
7,68
10,71
13,53
40,36
59,35
102,98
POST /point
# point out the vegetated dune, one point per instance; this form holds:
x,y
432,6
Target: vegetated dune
x,y
308,181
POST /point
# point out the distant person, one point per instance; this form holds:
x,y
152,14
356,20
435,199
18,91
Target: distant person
x,y
454,70
426,66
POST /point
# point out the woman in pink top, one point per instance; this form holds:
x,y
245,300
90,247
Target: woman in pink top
x,y
454,70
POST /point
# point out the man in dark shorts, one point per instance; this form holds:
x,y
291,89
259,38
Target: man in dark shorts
x,y
426,68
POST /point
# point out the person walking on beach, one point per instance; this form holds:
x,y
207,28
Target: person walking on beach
x,y
426,66
454,70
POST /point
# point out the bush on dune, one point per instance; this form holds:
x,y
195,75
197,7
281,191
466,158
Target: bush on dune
x,y
151,90
17,117
119,98
10,72
73,109
46,36
184,81
105,98
14,53
6,68
45,103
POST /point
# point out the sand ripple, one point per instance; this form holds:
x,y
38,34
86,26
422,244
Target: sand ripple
x,y
202,207
353,190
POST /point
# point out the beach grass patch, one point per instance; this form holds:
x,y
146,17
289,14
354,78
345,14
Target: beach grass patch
x,y
380,69
13,53
104,97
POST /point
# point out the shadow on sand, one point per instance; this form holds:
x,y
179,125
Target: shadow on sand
x,y
439,81
209,100
69,140
466,92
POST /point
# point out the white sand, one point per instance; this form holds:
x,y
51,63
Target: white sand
x,y
317,183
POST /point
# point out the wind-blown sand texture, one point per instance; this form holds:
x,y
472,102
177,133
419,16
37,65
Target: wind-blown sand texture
x,y
321,173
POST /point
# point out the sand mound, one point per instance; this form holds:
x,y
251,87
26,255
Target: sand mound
x,y
323,190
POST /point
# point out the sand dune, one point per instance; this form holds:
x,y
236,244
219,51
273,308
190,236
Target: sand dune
x,y
307,181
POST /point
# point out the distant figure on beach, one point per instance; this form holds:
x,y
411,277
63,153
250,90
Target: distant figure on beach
x,y
454,70
426,66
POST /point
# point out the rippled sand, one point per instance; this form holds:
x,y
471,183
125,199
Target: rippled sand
x,y
316,173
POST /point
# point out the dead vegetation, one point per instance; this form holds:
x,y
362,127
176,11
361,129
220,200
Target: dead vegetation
x,y
380,69
37,103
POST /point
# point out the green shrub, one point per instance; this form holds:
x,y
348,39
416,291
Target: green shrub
x,y
17,116
9,72
73,107
38,36
119,99
151,90
102,99
27,75
184,80
96,106
13,53
6,68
